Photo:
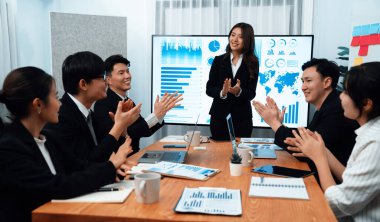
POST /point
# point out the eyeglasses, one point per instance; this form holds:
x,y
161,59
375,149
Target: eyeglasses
x,y
102,76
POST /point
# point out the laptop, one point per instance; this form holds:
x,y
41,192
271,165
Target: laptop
x,y
155,156
257,153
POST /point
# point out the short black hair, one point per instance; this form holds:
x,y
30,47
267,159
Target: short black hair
x,y
326,68
114,59
81,65
361,83
22,86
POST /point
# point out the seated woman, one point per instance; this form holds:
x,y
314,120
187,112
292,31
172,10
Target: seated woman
x,y
358,196
31,167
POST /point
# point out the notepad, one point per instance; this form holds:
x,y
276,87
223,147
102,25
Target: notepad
x,y
293,188
210,200
126,187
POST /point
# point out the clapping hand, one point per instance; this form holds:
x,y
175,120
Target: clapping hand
x,y
309,144
269,112
166,103
226,87
236,89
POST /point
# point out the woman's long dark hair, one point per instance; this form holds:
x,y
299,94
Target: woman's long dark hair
x,y
249,56
22,86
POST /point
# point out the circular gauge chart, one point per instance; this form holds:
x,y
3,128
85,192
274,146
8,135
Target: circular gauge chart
x,y
280,63
269,63
272,43
282,43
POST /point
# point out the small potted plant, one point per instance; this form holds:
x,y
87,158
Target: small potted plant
x,y
236,166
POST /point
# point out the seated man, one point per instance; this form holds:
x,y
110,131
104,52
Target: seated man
x,y
319,78
83,81
118,78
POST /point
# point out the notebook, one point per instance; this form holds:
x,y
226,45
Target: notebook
x,y
292,188
210,200
155,156
257,153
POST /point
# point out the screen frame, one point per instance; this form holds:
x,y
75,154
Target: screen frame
x,y
190,124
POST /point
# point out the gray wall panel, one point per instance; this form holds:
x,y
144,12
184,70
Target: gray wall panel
x,y
71,33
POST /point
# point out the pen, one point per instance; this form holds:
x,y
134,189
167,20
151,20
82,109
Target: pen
x,y
107,189
261,179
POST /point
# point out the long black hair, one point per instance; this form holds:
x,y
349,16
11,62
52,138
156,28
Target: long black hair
x,y
249,56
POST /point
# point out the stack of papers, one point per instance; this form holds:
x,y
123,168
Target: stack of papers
x,y
257,140
210,200
182,170
260,146
173,139
124,189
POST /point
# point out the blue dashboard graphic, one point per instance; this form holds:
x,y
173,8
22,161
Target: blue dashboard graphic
x,y
173,53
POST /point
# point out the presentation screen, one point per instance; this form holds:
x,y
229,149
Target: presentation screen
x,y
182,63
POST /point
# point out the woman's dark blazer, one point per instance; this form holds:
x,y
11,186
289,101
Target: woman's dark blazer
x,y
239,107
26,181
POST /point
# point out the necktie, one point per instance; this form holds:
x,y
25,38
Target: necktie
x,y
89,124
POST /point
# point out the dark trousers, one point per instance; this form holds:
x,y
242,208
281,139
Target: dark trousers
x,y
219,129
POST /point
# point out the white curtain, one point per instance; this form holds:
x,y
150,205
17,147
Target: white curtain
x,y
8,48
216,17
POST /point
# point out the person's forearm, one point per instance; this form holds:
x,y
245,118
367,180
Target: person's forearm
x,y
275,125
324,173
336,167
116,131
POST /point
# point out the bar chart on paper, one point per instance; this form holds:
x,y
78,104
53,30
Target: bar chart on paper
x,y
210,201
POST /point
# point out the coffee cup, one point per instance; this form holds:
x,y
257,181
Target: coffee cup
x,y
147,187
196,141
246,155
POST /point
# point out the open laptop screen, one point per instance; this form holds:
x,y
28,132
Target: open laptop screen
x,y
231,130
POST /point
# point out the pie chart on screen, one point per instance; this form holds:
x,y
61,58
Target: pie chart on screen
x,y
214,46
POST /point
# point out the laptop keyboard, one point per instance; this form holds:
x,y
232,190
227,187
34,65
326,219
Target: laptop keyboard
x,y
172,156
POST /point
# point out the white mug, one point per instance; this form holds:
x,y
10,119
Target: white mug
x,y
246,155
147,187
196,138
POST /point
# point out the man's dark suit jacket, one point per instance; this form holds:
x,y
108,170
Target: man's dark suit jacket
x,y
336,130
104,123
74,136
239,107
26,181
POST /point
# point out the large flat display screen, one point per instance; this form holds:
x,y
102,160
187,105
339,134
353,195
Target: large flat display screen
x,y
182,63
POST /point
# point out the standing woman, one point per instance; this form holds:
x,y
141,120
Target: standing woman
x,y
358,196
232,84
31,167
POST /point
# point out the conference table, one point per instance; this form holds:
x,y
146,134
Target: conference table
x,y
217,155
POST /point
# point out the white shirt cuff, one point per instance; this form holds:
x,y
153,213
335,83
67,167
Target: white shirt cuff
x,y
152,120
239,93
221,95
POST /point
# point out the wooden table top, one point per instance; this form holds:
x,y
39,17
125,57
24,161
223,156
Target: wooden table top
x,y
217,156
